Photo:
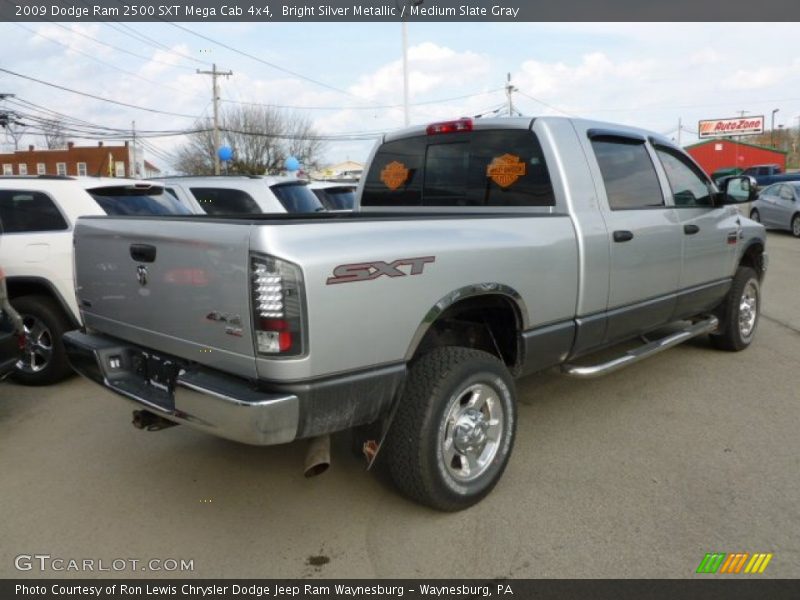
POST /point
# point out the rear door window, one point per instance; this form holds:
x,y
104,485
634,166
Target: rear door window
x,y
225,201
628,173
478,169
28,212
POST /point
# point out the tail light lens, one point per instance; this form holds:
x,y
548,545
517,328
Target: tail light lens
x,y
461,125
278,306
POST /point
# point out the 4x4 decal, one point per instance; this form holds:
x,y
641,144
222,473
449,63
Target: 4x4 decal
x,y
372,270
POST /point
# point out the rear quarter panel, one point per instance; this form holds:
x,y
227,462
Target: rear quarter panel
x,y
360,324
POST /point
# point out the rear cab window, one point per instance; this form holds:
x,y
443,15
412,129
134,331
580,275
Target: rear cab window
x,y
484,168
135,200
225,201
296,197
336,198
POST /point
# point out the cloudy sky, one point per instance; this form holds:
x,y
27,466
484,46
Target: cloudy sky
x,y
648,75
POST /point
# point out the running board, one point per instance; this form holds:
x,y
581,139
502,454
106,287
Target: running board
x,y
633,356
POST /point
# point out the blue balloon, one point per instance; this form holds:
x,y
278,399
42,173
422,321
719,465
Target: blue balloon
x,y
292,164
225,153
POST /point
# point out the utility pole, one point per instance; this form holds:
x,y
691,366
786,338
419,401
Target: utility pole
x,y
133,163
680,129
510,89
215,98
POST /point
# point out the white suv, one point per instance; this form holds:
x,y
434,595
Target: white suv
x,y
242,194
37,217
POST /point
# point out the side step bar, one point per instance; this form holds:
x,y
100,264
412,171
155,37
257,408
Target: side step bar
x,y
633,356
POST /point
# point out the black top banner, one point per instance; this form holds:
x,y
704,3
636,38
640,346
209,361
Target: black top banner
x,y
398,10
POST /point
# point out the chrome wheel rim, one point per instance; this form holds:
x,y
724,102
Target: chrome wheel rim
x,y
471,432
38,348
748,309
754,215
796,226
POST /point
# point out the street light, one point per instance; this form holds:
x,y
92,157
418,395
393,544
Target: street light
x,y
772,128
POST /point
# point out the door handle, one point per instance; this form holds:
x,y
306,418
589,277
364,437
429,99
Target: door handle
x,y
143,253
690,229
623,236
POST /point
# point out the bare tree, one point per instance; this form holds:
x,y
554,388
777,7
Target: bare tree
x,y
261,138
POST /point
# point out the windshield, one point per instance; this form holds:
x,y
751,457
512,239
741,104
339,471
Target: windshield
x,y
337,198
126,200
297,198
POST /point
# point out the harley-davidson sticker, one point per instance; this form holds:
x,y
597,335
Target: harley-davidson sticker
x,y
394,175
505,170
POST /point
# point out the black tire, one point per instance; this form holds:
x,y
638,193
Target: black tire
x,y
732,336
440,385
44,311
796,225
755,216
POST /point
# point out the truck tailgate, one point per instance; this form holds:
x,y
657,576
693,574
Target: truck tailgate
x,y
180,287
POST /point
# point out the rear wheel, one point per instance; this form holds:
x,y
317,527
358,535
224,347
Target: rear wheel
x,y
454,429
796,225
44,360
755,216
740,312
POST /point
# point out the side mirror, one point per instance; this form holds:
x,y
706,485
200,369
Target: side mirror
x,y
739,189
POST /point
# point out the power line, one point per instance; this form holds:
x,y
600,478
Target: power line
x,y
118,49
384,106
543,103
100,98
267,63
102,62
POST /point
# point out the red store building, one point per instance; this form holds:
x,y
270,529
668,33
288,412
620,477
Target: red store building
x,y
722,154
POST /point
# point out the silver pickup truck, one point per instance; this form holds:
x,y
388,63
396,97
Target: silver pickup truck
x,y
479,251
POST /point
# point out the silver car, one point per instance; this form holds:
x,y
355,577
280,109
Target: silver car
x,y
778,206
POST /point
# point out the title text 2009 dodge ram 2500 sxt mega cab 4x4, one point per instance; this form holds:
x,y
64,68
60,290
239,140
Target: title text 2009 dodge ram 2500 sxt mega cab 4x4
x,y
478,251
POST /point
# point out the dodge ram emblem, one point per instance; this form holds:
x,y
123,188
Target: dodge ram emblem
x,y
394,175
505,170
141,275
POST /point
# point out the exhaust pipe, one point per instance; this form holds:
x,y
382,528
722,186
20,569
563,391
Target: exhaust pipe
x,y
144,419
318,457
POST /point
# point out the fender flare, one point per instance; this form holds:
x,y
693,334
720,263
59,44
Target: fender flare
x,y
462,293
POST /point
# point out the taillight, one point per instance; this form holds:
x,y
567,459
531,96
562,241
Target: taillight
x,y
277,292
449,127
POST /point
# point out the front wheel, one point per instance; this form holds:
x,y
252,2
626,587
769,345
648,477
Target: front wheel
x,y
755,216
796,225
739,314
454,429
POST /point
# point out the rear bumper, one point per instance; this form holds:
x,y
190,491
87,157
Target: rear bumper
x,y
201,398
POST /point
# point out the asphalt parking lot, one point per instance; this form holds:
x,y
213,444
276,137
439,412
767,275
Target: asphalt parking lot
x,y
638,474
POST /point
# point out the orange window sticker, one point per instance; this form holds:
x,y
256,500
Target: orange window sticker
x,y
505,170
394,175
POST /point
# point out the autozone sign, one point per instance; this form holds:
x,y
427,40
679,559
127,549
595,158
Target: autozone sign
x,y
736,126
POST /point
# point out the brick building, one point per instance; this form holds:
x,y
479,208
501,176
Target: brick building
x,y
99,160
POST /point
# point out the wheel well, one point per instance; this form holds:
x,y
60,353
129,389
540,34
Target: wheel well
x,y
490,323
753,258
36,287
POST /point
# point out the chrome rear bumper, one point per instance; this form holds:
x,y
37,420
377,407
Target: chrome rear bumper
x,y
201,398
